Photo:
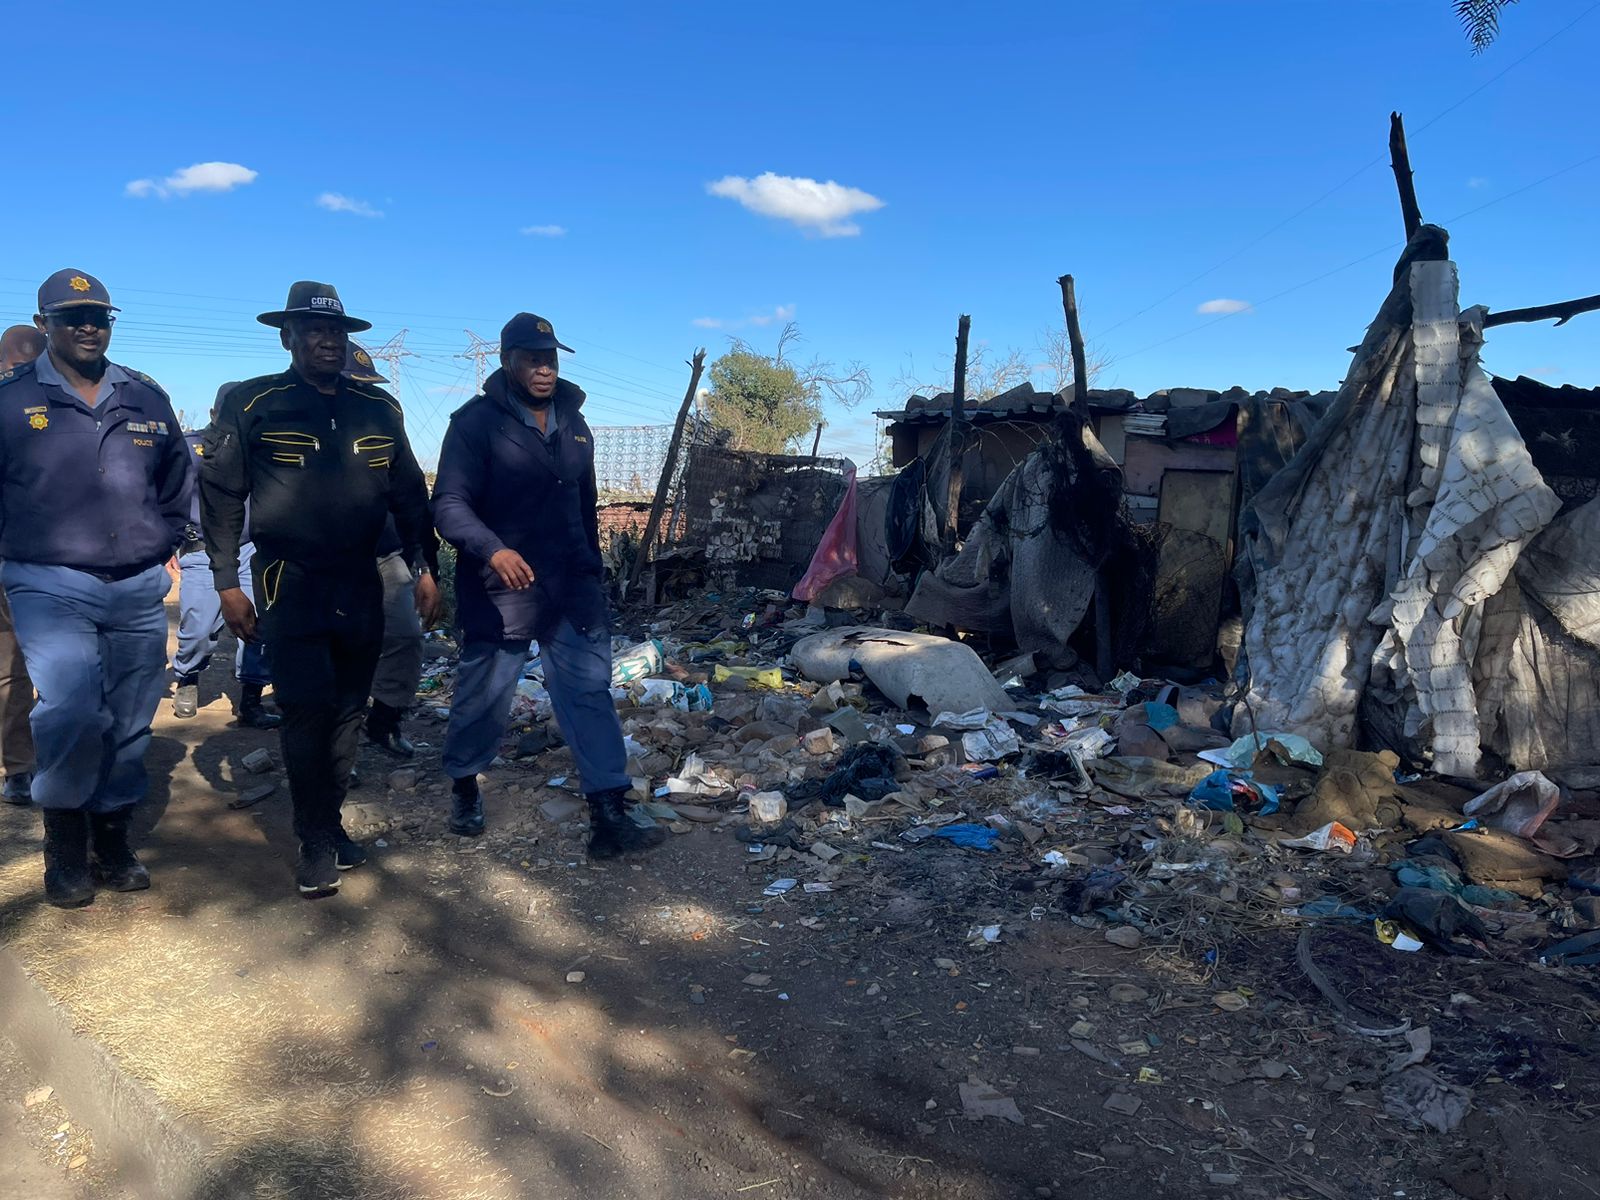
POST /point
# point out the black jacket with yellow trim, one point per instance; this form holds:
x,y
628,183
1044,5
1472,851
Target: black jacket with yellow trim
x,y
322,474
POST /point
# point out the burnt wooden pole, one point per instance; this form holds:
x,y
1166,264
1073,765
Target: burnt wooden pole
x,y
816,442
1104,662
1080,360
1400,160
1561,313
958,438
664,484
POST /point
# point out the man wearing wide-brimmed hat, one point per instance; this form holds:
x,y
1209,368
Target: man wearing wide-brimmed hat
x,y
323,461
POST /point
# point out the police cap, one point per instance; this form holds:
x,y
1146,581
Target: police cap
x,y
529,332
70,288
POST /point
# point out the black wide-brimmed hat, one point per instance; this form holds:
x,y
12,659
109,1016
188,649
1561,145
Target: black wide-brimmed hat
x,y
309,299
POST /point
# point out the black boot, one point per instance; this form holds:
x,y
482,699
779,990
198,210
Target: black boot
x,y
114,862
383,730
253,711
612,832
466,809
67,882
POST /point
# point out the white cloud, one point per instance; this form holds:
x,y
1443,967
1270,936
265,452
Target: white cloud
x,y
337,202
1223,306
821,208
783,313
544,231
1477,181
201,177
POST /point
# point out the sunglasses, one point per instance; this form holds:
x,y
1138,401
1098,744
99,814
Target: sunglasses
x,y
77,317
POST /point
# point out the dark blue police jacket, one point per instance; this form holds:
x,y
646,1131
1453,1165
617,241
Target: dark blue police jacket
x,y
502,486
103,489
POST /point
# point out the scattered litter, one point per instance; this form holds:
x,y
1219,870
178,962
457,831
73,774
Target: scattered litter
x,y
971,837
779,886
979,1100
1332,836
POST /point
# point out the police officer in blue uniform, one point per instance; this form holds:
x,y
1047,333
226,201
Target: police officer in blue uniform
x,y
200,622
323,462
515,494
94,495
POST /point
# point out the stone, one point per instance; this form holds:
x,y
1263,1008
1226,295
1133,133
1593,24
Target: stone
x,y
849,723
828,698
404,779
1587,910
819,741
1125,936
779,746
768,808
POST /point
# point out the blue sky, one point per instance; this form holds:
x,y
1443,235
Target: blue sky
x,y
1160,152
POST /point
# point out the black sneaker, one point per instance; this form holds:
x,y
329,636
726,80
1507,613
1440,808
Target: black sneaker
x,y
348,854
466,807
187,702
18,789
316,873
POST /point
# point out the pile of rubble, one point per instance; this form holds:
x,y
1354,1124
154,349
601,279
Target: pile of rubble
x,y
826,746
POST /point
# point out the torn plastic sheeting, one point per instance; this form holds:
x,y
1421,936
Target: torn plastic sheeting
x,y
653,693
1242,753
969,837
836,555
975,718
991,743
1332,836
1218,791
943,675
1519,805
1422,1097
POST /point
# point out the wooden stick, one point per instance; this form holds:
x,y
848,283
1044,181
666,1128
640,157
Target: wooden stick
x,y
1400,160
817,441
1080,365
664,484
1563,312
957,435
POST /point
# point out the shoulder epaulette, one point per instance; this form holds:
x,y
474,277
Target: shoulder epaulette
x,y
147,381
16,373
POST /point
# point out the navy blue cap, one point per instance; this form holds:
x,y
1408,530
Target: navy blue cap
x,y
358,366
528,332
69,288
310,299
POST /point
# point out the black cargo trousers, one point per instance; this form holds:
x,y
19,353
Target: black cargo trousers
x,y
323,628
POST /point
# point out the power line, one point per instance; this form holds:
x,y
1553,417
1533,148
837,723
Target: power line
x,y
1357,173
1389,248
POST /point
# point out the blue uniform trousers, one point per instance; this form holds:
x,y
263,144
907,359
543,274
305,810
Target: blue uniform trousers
x,y
97,653
577,673
200,621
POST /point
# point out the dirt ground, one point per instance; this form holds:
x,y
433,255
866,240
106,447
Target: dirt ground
x,y
499,1018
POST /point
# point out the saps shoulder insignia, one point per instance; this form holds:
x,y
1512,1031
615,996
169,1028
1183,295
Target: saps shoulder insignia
x,y
38,421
